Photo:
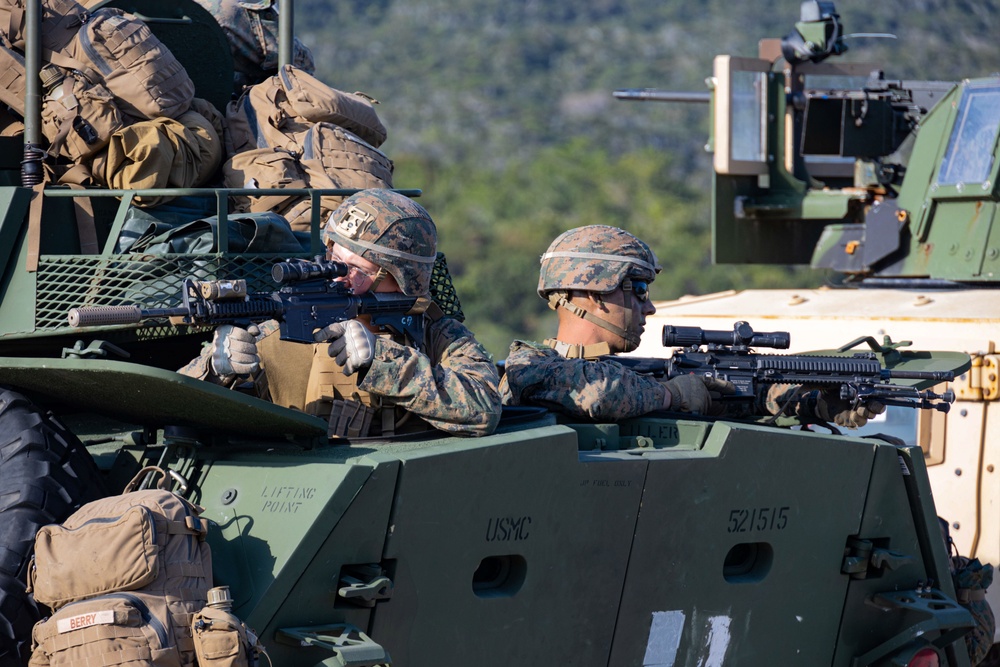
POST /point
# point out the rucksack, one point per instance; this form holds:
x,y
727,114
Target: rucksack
x,y
124,576
109,47
330,157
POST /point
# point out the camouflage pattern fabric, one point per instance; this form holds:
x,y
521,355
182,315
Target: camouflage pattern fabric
x,y
453,387
971,579
595,258
252,31
591,389
389,230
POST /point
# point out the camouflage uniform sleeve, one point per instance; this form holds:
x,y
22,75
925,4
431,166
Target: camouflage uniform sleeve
x,y
199,367
453,386
599,390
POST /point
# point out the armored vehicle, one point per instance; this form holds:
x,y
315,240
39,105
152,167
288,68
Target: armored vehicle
x,y
891,184
661,540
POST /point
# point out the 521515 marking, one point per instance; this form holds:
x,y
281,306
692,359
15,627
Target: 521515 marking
x,y
758,519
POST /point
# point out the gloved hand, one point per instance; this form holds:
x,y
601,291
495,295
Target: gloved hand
x,y
812,402
351,343
691,393
832,408
234,352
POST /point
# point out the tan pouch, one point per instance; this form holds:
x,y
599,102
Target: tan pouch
x,y
98,557
116,629
220,639
79,118
264,168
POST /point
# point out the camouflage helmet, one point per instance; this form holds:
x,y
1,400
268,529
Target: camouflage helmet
x,y
595,258
391,231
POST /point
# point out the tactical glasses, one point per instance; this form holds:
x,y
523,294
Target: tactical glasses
x,y
640,288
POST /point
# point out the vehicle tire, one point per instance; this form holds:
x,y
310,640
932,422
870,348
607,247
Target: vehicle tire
x,y
45,475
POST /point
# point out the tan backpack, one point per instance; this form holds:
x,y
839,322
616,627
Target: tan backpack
x,y
119,50
331,157
109,47
124,577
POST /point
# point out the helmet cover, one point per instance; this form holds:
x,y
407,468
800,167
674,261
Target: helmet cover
x,y
595,258
391,231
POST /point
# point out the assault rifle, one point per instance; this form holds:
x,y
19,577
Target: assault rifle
x,y
309,298
727,355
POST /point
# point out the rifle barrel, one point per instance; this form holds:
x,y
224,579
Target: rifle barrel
x,y
653,95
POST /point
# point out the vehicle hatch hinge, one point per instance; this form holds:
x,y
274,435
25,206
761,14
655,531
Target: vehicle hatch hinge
x,y
982,381
862,557
350,646
364,585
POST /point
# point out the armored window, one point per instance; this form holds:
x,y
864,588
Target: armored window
x,y
969,158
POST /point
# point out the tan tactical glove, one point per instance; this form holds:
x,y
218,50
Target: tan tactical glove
x,y
831,407
234,352
812,402
692,393
351,344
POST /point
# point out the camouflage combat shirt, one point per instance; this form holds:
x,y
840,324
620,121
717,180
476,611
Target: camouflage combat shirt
x,y
453,387
536,374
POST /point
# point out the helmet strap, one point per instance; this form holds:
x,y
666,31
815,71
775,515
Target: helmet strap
x,y
561,300
630,336
377,280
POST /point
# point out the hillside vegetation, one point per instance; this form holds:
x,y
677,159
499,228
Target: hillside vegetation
x,y
501,112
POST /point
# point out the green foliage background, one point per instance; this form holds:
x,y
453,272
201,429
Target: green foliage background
x,y
501,112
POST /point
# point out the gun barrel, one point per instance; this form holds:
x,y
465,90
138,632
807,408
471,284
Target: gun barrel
x,y
940,376
653,95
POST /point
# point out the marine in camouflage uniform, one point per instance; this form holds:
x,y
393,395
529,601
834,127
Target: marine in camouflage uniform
x,y
251,26
370,384
597,280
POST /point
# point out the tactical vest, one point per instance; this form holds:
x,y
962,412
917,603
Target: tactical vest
x,y
307,378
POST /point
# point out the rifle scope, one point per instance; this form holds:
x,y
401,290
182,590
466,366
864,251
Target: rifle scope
x,y
742,335
294,270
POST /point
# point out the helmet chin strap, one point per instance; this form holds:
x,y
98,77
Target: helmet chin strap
x,y
627,334
377,280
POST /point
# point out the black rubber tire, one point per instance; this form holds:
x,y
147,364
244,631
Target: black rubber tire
x,y
45,475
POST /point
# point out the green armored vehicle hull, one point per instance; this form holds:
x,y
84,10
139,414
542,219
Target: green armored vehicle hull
x,y
658,540
654,541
